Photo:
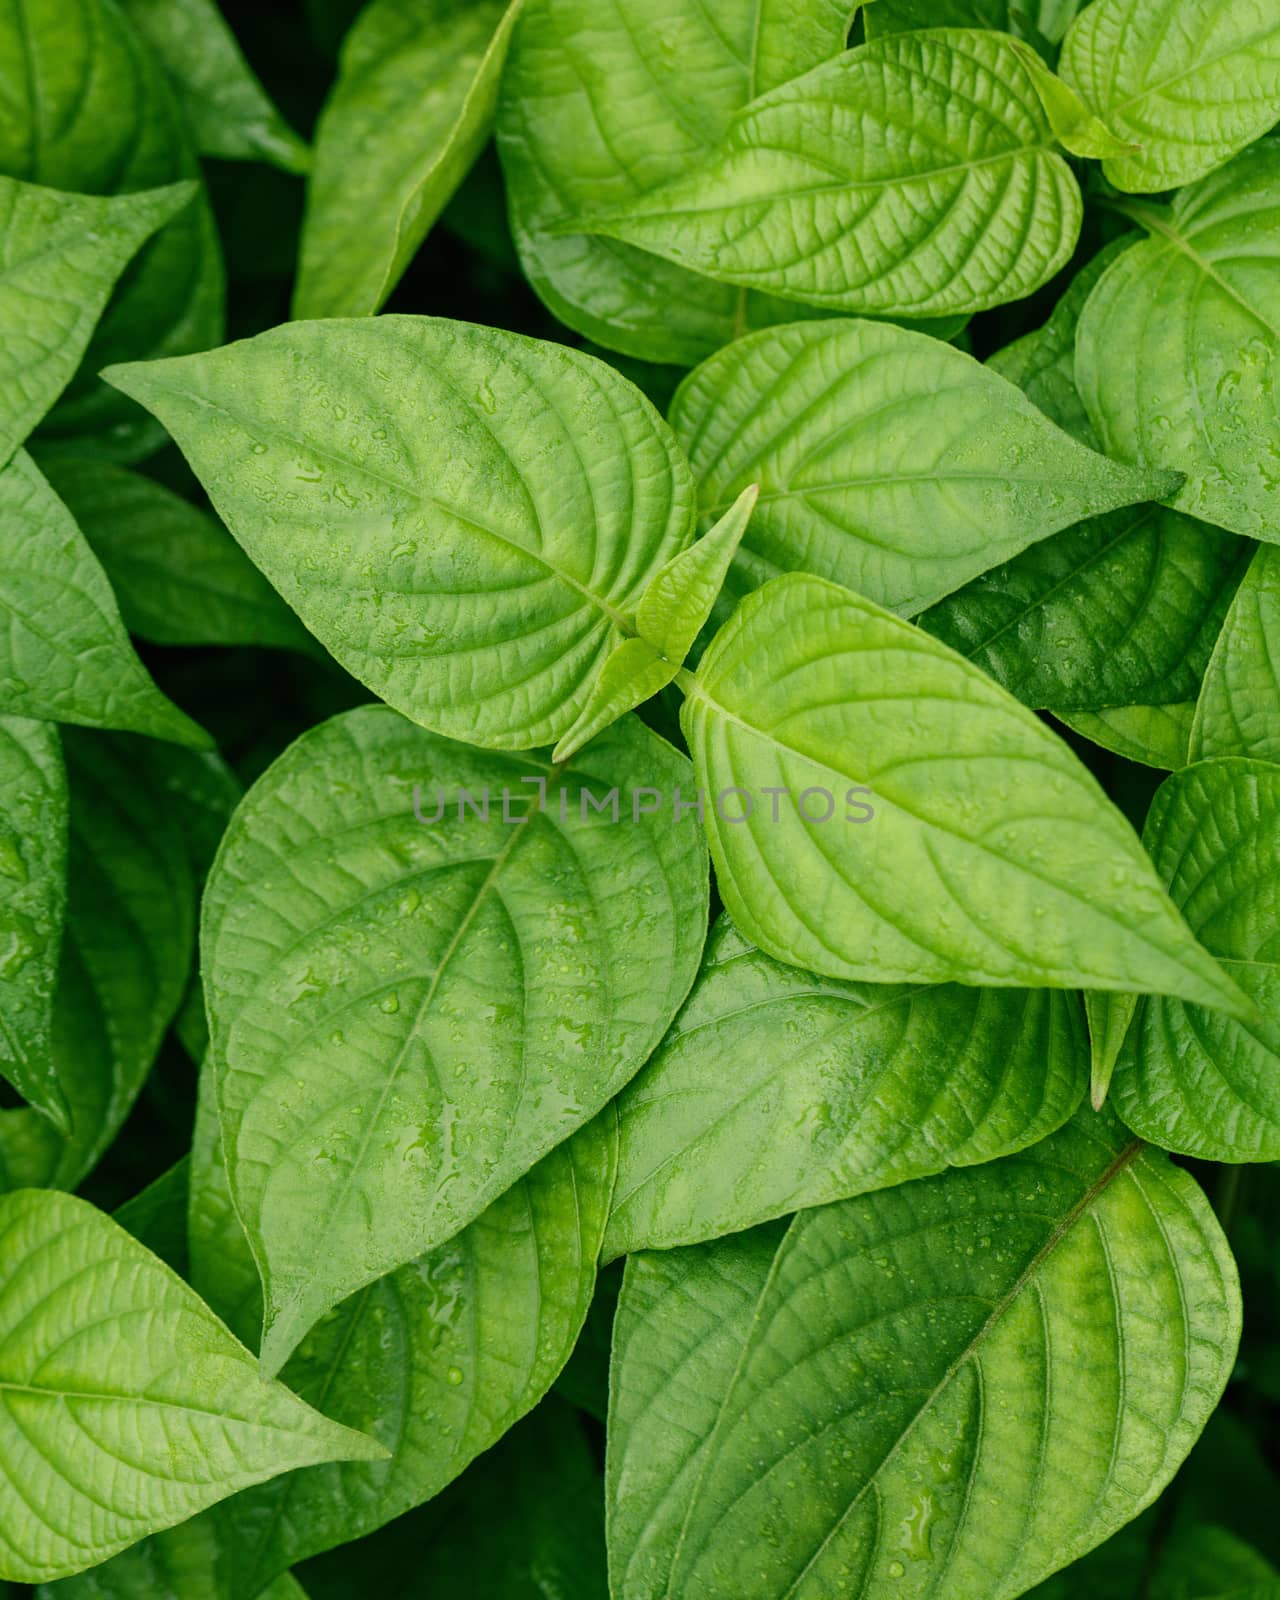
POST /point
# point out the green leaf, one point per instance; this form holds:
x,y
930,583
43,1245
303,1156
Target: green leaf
x,y
64,653
412,107
1196,312
178,576
632,674
596,112
436,1360
1119,610
836,1089
991,856
1238,713
525,1523
228,110
87,108
1074,125
817,195
126,954
465,518
886,461
1109,1018
1195,1080
60,257
127,1406
1156,736
1188,82
676,605
353,1079
1038,21
33,868
955,1386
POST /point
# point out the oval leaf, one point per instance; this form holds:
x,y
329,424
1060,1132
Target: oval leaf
x,y
64,654
1187,83
1196,309
991,857
1238,713
125,1405
596,111
60,257
465,518
412,106
1195,1080
828,1414
836,1089
33,869
815,195
887,461
353,1083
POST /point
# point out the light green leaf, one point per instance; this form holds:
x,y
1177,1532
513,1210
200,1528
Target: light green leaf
x,y
1074,125
816,194
436,1361
465,518
412,107
595,112
86,107
1195,309
60,257
64,654
854,1410
228,110
1198,1081
677,603
634,673
1119,610
344,993
178,575
1189,82
126,1405
991,855
886,461
126,953
1238,713
1041,22
33,871
1156,736
836,1089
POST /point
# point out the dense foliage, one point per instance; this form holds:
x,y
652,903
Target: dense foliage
x,y
639,799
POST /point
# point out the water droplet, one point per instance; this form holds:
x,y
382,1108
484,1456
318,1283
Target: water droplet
x,y
454,1376
389,1003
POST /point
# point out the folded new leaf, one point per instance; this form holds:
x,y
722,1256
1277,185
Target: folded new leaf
x,y
60,257
466,518
125,1405
670,616
816,195
404,1025
991,857
830,1409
